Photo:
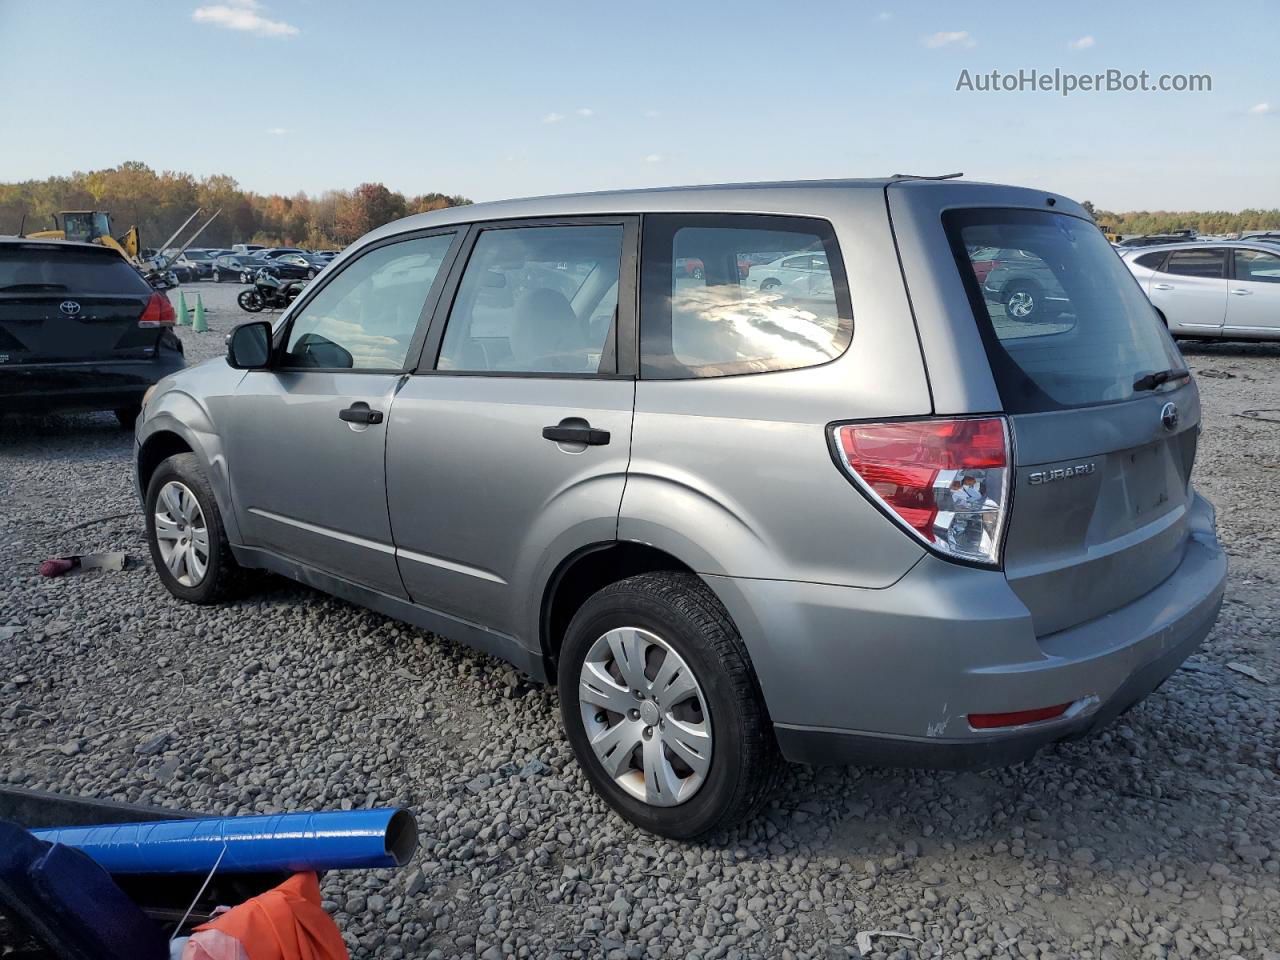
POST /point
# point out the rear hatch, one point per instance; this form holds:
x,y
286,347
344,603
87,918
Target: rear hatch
x,y
71,304
1104,417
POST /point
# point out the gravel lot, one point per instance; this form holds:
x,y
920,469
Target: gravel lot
x,y
1160,837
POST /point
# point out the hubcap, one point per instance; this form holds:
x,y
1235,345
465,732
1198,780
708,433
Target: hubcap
x,y
1020,304
645,716
181,534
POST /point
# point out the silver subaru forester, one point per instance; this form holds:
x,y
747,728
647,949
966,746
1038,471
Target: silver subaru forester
x,y
751,472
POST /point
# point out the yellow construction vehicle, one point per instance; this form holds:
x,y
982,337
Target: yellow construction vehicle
x,y
91,226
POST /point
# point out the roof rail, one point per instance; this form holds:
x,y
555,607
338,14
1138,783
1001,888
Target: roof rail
x,y
921,176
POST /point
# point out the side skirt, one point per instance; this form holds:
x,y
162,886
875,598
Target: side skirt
x,y
472,634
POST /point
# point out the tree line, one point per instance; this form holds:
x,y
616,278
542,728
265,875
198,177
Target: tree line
x,y
158,203
1202,221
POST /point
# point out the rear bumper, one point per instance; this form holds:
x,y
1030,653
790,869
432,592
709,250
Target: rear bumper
x,y
92,385
889,677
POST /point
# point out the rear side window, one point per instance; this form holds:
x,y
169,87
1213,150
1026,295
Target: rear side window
x,y
1151,261
727,294
1210,264
1064,323
34,269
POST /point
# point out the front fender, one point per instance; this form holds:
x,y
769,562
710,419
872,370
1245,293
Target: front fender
x,y
179,413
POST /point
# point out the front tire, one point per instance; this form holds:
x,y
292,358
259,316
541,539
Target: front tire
x,y
662,708
251,301
185,533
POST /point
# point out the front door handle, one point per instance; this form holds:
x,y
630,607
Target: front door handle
x,y
360,413
1162,286
570,434
1241,293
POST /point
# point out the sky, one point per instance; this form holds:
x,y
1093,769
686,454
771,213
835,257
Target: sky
x,y
493,100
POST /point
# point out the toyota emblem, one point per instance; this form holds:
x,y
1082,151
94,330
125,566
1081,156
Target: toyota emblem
x,y
1169,416
69,308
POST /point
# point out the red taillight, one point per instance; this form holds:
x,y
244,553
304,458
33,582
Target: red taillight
x,y
159,312
989,721
946,481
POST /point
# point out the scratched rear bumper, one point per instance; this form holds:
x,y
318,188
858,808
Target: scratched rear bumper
x,y
889,677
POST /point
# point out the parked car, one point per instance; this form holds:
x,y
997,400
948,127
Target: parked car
x,y
1023,284
799,274
237,267
285,268
247,248
307,261
1215,290
192,265
732,526
80,329
272,253
1270,236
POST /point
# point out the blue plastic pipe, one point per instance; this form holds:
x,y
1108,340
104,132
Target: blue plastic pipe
x,y
286,841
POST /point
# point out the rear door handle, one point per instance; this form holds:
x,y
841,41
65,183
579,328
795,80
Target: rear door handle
x,y
1242,293
360,413
588,435
1162,286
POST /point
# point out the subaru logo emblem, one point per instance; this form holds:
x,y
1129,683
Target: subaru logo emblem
x,y
1169,416
70,308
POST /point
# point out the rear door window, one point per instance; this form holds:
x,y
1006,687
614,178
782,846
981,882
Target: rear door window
x,y
38,269
1210,264
727,294
537,299
1063,320
1152,261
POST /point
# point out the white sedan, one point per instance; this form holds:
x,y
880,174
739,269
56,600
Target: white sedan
x,y
795,274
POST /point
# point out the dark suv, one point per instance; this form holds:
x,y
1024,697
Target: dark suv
x,y
79,330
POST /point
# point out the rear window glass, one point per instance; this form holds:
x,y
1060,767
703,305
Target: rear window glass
x,y
35,270
730,294
1063,320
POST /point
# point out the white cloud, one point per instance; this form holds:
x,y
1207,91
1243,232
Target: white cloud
x,y
884,16
553,118
584,112
277,131
947,38
1260,108
654,158
243,15
1083,43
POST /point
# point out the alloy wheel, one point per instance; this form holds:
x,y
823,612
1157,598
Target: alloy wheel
x,y
182,534
1020,305
645,716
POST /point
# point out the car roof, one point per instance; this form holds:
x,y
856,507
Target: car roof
x,y
795,197
1266,245
12,241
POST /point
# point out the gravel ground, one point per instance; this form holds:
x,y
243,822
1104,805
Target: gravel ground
x,y
1157,838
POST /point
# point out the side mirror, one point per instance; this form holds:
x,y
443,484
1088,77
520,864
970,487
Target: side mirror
x,y
249,346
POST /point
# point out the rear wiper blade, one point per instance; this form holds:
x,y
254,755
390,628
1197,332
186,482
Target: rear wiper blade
x,y
1152,380
34,286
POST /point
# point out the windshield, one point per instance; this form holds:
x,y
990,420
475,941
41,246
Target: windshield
x,y
1063,321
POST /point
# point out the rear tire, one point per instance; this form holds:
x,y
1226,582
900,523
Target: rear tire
x,y
665,613
213,572
770,283
1022,302
128,415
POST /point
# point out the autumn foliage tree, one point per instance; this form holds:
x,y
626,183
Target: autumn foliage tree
x,y
158,203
